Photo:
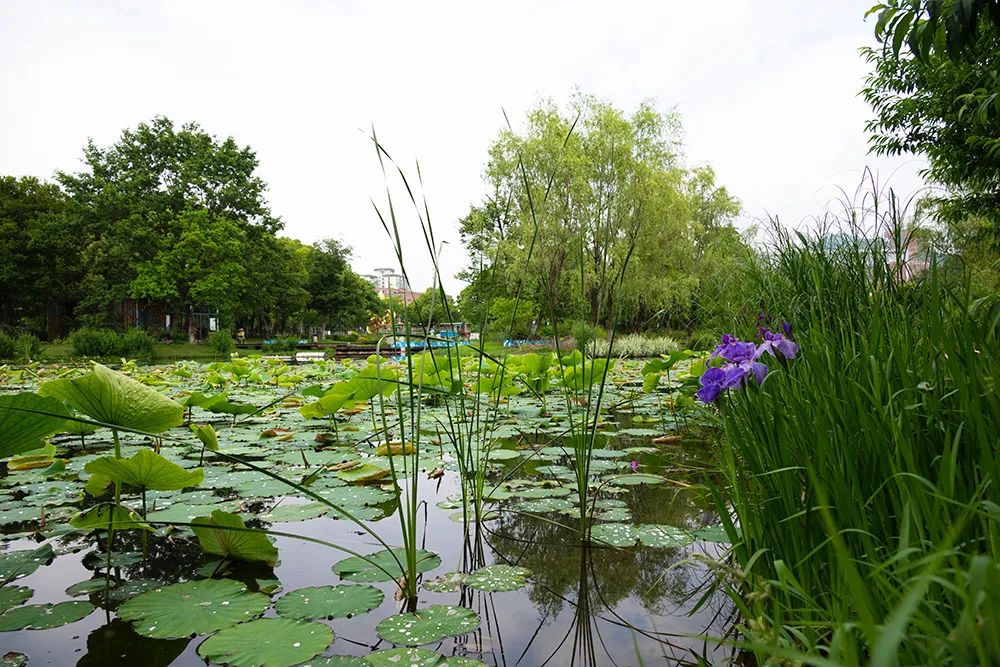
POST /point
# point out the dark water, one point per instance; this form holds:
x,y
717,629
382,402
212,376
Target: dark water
x,y
584,606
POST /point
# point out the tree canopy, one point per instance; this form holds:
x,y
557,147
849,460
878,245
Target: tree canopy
x,y
167,221
590,197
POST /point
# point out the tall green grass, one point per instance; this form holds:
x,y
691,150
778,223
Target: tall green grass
x,y
862,474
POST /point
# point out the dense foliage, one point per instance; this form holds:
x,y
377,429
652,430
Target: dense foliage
x,y
166,222
585,199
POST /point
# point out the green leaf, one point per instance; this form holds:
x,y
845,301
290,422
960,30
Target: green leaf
x,y
363,474
405,657
241,544
44,616
192,608
356,568
496,578
207,435
100,516
22,431
12,596
615,534
267,642
146,470
116,399
341,601
428,625
656,535
97,485
16,564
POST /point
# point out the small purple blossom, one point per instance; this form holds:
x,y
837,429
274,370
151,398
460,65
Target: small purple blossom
x,y
634,465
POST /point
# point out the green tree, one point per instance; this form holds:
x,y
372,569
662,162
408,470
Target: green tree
x,y
340,297
40,268
136,200
939,97
588,200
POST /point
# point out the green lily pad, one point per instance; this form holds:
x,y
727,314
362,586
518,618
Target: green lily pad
x,y
89,586
716,533
22,431
496,578
638,478
656,535
287,513
192,608
363,474
615,534
12,596
338,661
405,657
44,616
387,569
428,625
15,564
448,582
114,398
267,642
225,534
146,470
544,505
100,517
341,601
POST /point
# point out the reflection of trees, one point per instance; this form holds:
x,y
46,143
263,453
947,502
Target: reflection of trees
x,y
552,554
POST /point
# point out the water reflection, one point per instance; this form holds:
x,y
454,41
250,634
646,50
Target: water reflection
x,y
117,644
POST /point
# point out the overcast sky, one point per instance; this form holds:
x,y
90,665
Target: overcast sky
x,y
767,92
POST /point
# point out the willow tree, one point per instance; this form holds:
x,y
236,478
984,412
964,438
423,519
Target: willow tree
x,y
591,213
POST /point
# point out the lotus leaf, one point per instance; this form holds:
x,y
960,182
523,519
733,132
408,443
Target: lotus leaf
x,y
428,625
387,568
12,596
192,608
15,564
267,642
101,517
225,534
341,601
496,578
146,470
44,616
118,400
25,419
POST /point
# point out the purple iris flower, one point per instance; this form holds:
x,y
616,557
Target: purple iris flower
x,y
776,341
735,350
787,328
715,380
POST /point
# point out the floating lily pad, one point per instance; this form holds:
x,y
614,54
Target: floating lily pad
x,y
405,657
358,569
543,492
544,505
192,608
267,642
638,478
428,625
13,660
655,535
44,616
285,513
615,534
15,564
715,533
88,586
363,474
448,582
496,578
338,661
12,596
341,601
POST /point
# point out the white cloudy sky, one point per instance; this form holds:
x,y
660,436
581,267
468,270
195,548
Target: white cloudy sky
x,y
767,91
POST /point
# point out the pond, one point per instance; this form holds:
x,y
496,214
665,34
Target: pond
x,y
640,592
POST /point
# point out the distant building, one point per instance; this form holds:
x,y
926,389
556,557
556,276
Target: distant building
x,y
387,282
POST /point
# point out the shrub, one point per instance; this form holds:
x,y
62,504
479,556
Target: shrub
x,y
584,335
27,347
6,346
94,342
222,343
136,343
